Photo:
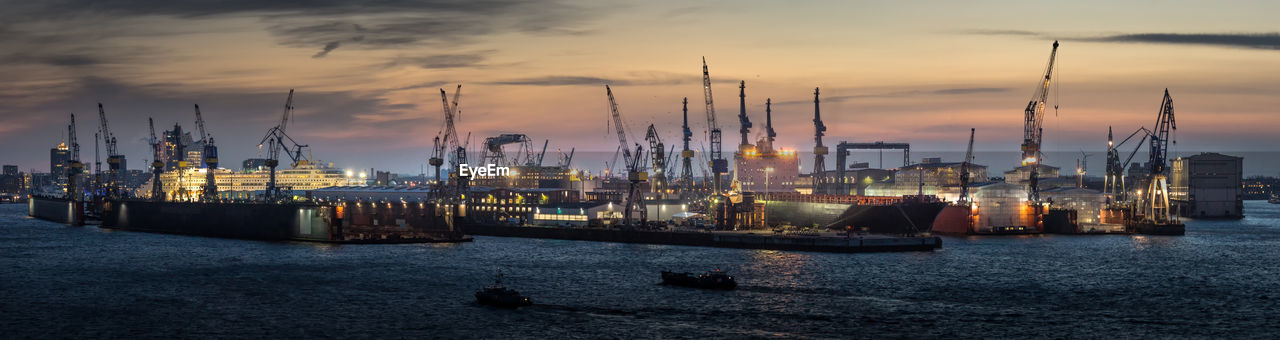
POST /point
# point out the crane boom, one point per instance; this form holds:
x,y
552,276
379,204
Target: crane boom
x,y
618,127
964,171
288,112
706,93
200,124
1033,115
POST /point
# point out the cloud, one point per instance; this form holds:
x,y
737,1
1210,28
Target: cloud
x,y
327,48
444,61
1262,40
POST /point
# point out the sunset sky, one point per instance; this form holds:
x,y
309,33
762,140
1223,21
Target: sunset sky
x,y
367,76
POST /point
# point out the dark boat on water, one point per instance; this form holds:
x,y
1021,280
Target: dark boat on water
x,y
497,295
711,280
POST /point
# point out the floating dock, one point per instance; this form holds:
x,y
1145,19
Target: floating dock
x,y
824,242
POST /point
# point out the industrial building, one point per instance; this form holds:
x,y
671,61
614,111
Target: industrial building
x,y
1207,185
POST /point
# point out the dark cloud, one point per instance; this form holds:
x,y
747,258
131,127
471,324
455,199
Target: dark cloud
x,y
1265,41
593,81
53,59
327,48
902,94
442,61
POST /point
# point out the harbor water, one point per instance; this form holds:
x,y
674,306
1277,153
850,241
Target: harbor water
x,y
1221,279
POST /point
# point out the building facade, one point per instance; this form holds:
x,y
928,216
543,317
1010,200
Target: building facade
x,y
1207,185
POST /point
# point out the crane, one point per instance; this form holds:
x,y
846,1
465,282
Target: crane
x,y
449,140
1154,205
210,153
768,126
1032,129
819,151
659,159
1114,185
73,166
157,167
1082,168
115,161
686,155
742,117
635,200
719,166
275,140
964,171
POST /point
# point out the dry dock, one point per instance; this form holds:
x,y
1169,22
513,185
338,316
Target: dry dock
x,y
824,242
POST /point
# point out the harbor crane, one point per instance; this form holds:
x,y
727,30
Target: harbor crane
x,y
157,166
659,159
719,166
210,153
1154,205
686,154
1114,185
965,174
768,126
276,139
493,152
819,151
745,146
115,161
449,142
635,175
73,167
1032,129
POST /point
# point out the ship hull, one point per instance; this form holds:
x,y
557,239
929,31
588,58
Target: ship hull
x,y
896,218
350,222
59,210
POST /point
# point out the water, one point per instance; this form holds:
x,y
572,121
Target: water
x,y
1220,279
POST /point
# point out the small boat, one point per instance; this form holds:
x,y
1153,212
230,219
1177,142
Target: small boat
x,y
711,280
1275,199
497,295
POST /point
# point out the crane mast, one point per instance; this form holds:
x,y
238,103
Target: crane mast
x,y
742,117
210,153
768,126
450,143
819,151
157,167
635,175
73,166
275,140
686,155
1155,202
115,161
1032,128
659,159
719,166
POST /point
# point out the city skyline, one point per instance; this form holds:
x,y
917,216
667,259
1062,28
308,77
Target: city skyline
x,y
367,76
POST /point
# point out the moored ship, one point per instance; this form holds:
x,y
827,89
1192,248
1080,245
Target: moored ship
x,y
874,214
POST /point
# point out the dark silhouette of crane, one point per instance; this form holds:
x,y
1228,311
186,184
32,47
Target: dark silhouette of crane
x,y
157,166
73,166
964,171
686,154
276,140
210,153
115,161
819,151
634,202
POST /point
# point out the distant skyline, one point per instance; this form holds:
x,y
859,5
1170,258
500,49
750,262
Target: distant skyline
x,y
367,76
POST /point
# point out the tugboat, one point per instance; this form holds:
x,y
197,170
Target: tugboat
x,y
711,280
497,295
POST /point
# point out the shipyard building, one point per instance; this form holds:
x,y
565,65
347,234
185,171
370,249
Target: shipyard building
x,y
1207,185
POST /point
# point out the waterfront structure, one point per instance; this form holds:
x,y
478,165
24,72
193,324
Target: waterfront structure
x,y
1207,185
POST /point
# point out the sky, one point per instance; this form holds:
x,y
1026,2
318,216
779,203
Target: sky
x,y
367,74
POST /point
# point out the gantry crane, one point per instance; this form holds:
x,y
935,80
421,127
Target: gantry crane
x,y
157,166
1032,128
659,165
210,153
819,151
686,154
73,166
965,171
275,140
115,161
635,175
